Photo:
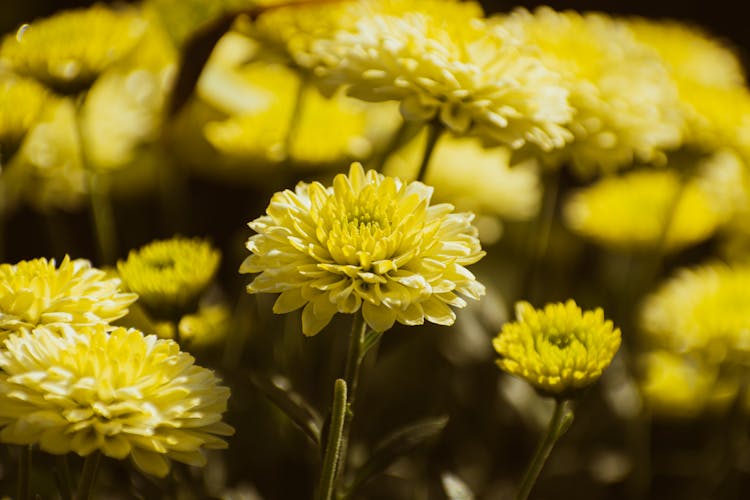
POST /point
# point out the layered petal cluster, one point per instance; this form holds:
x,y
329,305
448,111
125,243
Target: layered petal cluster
x,y
633,211
441,60
121,392
368,242
69,50
37,292
169,275
559,349
705,309
626,104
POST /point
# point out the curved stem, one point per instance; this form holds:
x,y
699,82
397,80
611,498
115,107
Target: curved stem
x,y
88,476
101,211
558,424
434,128
334,444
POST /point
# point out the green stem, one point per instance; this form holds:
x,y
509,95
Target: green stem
x,y
434,128
558,424
334,443
88,476
24,473
101,211
62,476
353,356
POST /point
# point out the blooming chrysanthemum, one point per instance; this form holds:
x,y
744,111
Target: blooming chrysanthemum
x,y
440,60
709,78
37,292
69,50
22,101
169,275
47,172
206,327
674,385
369,242
625,102
505,190
120,392
558,349
632,210
704,309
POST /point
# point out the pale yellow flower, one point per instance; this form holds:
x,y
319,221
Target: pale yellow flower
x,y
704,309
625,102
22,101
119,392
675,385
559,349
69,50
709,78
47,172
472,177
440,60
632,210
369,243
37,292
170,275
207,327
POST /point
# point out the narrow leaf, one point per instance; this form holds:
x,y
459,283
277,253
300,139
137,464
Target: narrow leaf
x,y
455,488
368,341
278,391
398,444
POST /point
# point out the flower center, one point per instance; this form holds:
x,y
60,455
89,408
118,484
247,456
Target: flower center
x,y
560,340
161,263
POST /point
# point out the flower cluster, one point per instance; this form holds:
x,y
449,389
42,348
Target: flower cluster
x,y
169,275
120,392
37,292
369,242
559,349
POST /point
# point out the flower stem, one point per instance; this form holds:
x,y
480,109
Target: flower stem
x,y
434,128
88,476
24,473
558,424
101,211
62,477
334,443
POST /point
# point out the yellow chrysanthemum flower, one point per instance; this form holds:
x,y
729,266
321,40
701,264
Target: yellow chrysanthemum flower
x,y
705,309
119,392
559,349
632,210
674,385
37,292
46,172
22,101
369,242
709,78
509,191
69,50
440,60
209,326
170,275
625,103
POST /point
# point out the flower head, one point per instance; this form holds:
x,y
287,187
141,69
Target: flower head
x,y
625,102
632,210
169,275
441,60
37,292
702,310
559,349
369,242
22,101
69,50
119,392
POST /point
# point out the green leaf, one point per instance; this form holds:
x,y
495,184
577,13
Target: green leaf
x,y
278,391
369,340
396,445
455,488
